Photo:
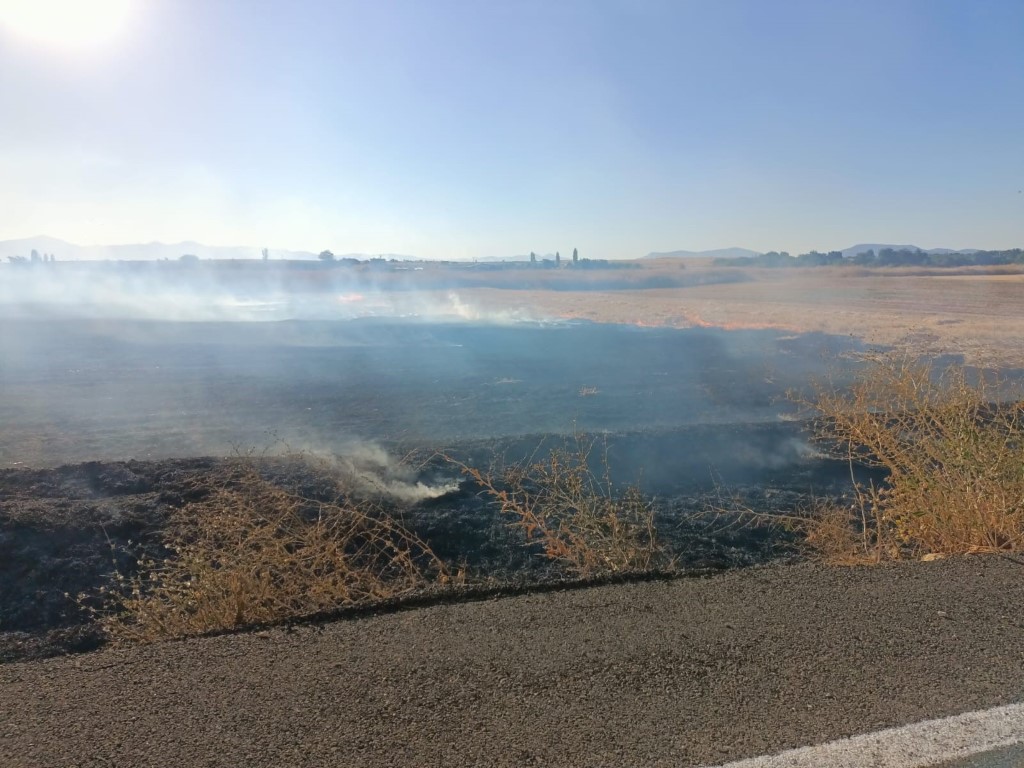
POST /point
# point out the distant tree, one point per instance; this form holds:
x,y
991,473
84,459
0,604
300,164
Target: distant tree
x,y
266,254
17,259
575,256
533,257
35,255
188,258
953,259
326,256
558,258
903,257
818,259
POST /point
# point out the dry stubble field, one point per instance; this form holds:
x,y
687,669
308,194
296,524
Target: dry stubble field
x,y
975,312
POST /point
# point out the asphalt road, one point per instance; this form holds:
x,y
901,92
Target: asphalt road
x,y
676,673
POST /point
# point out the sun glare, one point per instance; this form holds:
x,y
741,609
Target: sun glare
x,y
66,23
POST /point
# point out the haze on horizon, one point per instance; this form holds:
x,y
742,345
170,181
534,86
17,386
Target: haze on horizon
x,y
460,130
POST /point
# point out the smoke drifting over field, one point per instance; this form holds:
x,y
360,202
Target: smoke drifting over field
x,y
356,364
183,292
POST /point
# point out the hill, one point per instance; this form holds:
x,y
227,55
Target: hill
x,y
66,251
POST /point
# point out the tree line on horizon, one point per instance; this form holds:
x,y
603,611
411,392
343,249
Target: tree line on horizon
x,y
534,261
884,257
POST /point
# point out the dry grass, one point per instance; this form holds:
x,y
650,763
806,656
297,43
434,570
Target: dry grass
x,y
976,312
574,516
252,552
955,459
952,445
827,530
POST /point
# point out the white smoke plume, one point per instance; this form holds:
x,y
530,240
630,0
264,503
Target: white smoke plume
x,y
193,293
367,468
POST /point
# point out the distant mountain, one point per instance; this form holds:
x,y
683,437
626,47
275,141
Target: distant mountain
x,y
853,250
65,251
723,253
25,246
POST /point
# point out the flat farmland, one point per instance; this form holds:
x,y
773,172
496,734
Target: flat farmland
x,y
974,312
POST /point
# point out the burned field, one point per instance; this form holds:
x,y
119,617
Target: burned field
x,y
79,390
109,427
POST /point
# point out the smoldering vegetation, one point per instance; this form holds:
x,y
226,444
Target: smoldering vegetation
x,y
371,406
174,444
79,390
84,545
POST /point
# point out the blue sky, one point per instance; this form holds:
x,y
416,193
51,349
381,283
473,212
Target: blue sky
x,y
465,129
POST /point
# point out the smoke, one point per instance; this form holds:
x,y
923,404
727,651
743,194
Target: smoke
x,y
230,292
785,453
475,313
368,469
130,291
134,381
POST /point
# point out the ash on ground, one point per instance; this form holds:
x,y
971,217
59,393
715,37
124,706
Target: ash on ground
x,y
65,531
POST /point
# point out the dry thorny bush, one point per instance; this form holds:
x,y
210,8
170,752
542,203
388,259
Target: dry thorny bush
x,y
252,552
951,443
574,515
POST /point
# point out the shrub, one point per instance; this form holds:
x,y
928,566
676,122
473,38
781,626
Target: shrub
x,y
574,516
951,442
252,552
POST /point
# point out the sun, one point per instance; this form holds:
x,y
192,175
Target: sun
x,y
66,23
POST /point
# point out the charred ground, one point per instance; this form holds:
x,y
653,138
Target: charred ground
x,y
694,416
65,531
83,390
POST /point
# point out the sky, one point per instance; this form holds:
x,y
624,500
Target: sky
x,y
486,128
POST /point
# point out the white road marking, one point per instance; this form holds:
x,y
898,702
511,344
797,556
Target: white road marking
x,y
910,746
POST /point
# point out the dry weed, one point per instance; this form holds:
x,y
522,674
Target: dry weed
x,y
252,552
573,515
952,444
